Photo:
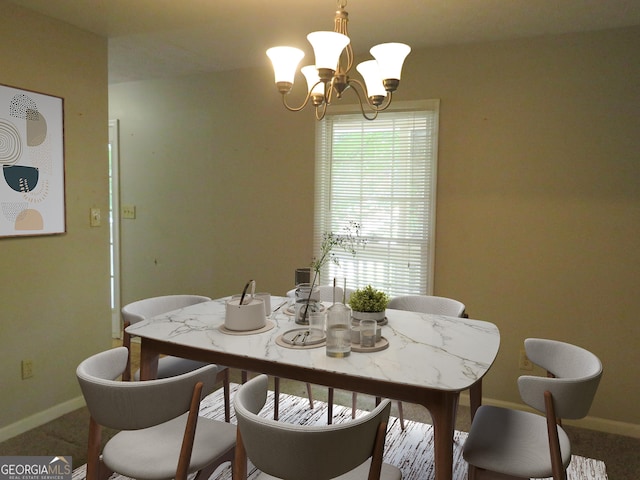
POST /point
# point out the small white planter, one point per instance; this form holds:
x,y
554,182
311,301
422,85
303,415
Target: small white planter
x,y
357,316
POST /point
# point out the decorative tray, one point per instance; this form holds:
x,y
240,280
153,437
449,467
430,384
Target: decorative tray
x,y
268,326
381,344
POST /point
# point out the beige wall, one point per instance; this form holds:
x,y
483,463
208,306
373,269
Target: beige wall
x,y
222,187
539,197
538,193
55,289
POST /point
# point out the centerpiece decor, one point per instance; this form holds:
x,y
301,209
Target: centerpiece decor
x,y
368,303
349,241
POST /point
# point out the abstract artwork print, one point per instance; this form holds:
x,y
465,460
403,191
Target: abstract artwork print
x,y
32,195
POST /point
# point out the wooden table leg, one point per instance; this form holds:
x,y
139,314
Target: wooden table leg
x,y
443,414
148,362
475,397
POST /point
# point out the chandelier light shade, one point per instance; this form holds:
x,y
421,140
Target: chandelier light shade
x,y
285,61
370,71
329,77
327,47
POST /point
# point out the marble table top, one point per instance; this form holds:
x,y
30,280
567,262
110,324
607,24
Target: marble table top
x,y
430,351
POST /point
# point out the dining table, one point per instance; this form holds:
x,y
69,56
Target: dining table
x,y
427,359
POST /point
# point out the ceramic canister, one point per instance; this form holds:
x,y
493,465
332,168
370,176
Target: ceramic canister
x,y
249,316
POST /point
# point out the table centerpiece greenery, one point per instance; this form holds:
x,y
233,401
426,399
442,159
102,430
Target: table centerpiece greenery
x,y
349,241
368,302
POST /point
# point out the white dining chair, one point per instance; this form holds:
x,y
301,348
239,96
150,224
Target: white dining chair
x,y
160,434
525,444
328,293
423,304
168,366
354,449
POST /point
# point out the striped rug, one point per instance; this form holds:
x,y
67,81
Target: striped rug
x,y
410,450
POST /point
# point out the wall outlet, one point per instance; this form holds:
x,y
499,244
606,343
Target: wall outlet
x,y
27,369
523,361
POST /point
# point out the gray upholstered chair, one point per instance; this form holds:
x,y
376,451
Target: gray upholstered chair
x,y
160,433
354,449
423,304
168,366
524,444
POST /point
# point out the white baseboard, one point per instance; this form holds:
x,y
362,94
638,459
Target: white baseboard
x,y
41,418
589,422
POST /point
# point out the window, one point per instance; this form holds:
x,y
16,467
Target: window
x,y
381,174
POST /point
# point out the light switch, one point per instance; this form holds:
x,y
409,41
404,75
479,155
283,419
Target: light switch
x,y
94,217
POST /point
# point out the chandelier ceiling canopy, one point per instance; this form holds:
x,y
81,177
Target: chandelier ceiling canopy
x,y
330,77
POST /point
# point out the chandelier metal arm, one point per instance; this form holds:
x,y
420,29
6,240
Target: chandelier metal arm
x,y
321,110
295,109
360,101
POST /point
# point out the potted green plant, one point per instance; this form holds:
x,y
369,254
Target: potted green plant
x,y
368,303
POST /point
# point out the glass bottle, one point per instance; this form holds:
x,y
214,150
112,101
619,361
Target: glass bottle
x,y
338,330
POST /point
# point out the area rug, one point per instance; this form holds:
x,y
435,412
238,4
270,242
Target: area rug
x,y
410,450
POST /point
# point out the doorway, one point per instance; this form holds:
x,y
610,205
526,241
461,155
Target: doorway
x,y
114,228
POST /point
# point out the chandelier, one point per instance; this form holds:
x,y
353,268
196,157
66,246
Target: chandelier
x,y
329,78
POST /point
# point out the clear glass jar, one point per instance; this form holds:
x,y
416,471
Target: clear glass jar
x,y
307,301
338,330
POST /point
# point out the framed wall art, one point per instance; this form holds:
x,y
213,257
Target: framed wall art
x,y
32,190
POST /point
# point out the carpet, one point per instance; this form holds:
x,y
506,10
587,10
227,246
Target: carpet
x,y
410,450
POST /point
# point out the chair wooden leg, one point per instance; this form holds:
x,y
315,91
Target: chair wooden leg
x,y
354,401
378,451
227,395
400,415
330,406
207,471
310,395
96,469
126,342
276,398
93,450
239,468
559,472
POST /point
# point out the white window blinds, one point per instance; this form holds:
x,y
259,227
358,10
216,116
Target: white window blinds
x,y
381,174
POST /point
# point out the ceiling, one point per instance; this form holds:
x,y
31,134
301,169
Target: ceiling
x,y
163,38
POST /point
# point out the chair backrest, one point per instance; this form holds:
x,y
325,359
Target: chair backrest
x,y
134,405
428,304
326,293
150,307
577,375
321,452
